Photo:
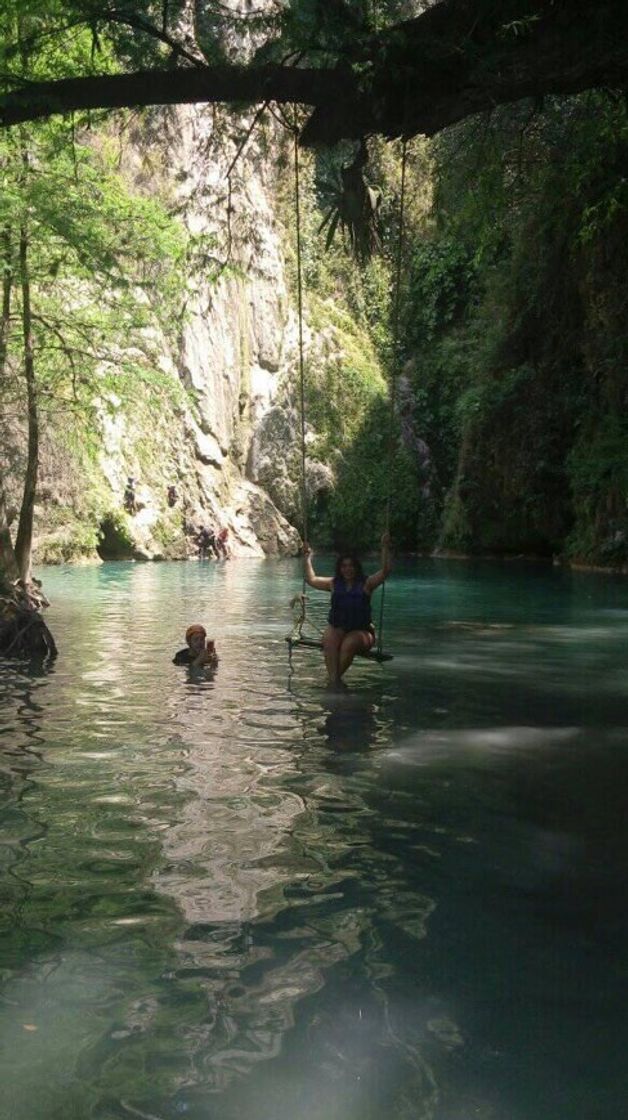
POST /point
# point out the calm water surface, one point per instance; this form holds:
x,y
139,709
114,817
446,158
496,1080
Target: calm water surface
x,y
240,898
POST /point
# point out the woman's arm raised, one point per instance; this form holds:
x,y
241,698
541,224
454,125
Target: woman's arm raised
x,y
386,566
321,583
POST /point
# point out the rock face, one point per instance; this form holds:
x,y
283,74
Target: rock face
x,y
236,350
234,357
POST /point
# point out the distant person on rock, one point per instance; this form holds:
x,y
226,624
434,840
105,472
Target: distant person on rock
x,y
350,630
222,543
172,496
130,497
206,541
199,653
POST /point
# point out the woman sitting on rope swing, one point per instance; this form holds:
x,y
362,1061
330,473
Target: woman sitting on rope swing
x,y
350,630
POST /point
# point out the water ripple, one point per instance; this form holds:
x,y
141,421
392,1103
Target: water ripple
x,y
234,894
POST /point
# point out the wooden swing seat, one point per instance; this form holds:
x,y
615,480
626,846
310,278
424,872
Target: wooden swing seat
x,y
315,643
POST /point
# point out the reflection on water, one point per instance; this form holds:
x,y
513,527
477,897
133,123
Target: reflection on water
x,y
235,895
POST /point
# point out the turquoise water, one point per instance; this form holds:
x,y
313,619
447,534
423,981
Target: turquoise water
x,y
243,898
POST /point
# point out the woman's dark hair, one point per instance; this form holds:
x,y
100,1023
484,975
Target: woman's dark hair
x,y
359,571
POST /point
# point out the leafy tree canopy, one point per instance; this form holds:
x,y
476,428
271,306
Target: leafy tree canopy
x,y
364,66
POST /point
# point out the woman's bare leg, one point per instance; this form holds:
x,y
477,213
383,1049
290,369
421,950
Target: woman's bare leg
x,y
332,640
356,641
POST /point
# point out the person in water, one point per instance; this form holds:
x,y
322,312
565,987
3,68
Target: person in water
x,y
350,630
198,653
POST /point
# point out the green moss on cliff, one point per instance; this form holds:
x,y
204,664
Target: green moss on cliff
x,y
67,539
347,386
80,509
515,325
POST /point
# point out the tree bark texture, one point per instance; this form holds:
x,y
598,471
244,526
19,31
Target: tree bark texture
x,y
8,563
24,536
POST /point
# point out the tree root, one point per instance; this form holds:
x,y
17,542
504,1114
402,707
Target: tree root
x,y
23,632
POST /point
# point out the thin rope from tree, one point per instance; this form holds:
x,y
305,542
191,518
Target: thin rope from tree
x,y
297,207
395,367
241,146
300,601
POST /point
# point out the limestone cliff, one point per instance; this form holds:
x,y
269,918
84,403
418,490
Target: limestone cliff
x,y
234,356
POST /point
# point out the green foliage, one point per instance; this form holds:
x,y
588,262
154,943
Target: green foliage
x,y
104,265
347,384
598,468
167,530
513,319
324,31
347,404
103,36
515,328
366,476
345,392
439,288
93,36
115,540
73,540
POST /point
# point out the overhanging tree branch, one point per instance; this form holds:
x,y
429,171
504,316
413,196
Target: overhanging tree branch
x,y
458,58
231,84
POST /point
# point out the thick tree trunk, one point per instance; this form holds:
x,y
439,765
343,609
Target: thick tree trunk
x,y
7,288
8,563
24,537
23,632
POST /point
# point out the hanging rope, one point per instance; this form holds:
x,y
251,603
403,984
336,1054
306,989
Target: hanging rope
x,y
241,146
299,602
297,206
395,366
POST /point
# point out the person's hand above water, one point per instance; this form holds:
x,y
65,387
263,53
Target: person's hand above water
x,y
207,656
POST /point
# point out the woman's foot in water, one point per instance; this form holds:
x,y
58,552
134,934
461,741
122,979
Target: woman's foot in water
x,y
336,685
